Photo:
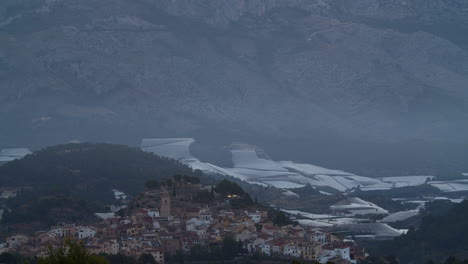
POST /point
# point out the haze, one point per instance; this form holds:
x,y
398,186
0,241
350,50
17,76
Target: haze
x,y
374,87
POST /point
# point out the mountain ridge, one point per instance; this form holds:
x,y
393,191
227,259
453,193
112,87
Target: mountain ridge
x,y
243,69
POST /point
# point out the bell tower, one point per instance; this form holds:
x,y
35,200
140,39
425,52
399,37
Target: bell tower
x,y
165,207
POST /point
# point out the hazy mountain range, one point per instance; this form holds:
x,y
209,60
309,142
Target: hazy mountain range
x,y
321,77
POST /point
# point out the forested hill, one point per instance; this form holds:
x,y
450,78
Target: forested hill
x,y
90,170
443,233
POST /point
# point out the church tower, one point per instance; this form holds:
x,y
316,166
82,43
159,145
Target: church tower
x,y
165,208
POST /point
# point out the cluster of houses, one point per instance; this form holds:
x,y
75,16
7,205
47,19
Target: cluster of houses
x,y
163,224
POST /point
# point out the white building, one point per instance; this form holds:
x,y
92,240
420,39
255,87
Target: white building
x,y
125,221
156,225
258,245
256,217
205,216
85,232
118,195
16,240
320,237
153,213
193,224
62,231
245,235
292,250
158,256
343,253
265,249
328,254
111,247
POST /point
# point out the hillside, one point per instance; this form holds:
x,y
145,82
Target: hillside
x,y
443,233
89,170
32,211
384,80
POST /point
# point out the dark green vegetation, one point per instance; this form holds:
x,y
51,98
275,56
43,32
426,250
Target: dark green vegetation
x,y
307,190
120,259
77,254
13,258
228,188
155,184
319,204
90,170
443,232
236,195
258,193
71,182
228,250
204,196
394,260
279,218
383,198
71,253
152,184
310,200
146,259
36,210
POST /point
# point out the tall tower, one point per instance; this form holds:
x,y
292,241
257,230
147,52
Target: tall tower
x,y
165,208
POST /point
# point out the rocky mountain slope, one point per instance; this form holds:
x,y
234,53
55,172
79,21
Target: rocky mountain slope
x,y
366,70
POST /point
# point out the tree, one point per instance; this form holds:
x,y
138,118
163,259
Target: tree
x,y
71,253
11,258
167,182
258,227
237,196
152,184
199,253
279,218
71,165
240,246
212,194
230,248
226,187
179,257
295,261
120,213
192,180
202,196
146,259
120,259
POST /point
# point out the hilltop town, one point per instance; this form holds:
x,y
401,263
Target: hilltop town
x,y
181,217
